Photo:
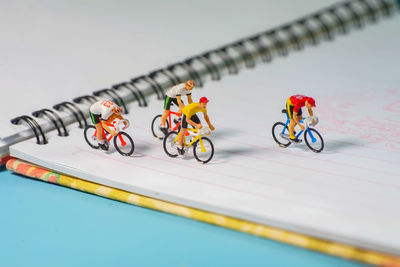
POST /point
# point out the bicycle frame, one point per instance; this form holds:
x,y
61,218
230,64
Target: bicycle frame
x,y
123,143
313,139
176,125
198,137
170,120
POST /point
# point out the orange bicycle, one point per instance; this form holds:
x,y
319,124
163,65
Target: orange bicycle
x,y
122,141
173,124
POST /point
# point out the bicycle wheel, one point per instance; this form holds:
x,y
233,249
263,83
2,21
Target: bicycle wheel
x,y
90,138
208,152
169,144
155,124
315,141
124,144
277,129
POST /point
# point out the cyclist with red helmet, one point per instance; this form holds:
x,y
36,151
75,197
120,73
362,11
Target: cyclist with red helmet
x,y
293,107
174,95
104,111
190,117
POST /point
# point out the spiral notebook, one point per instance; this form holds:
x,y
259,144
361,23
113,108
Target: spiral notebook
x,y
347,194
55,52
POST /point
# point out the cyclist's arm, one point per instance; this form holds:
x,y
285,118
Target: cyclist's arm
x,y
181,105
117,116
113,117
208,121
198,126
296,120
189,97
310,111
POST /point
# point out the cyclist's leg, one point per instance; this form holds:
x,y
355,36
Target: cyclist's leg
x,y
195,119
299,118
175,101
167,106
99,132
300,115
96,118
293,135
289,109
182,132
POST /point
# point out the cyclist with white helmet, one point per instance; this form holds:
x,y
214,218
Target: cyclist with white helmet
x,y
174,94
101,113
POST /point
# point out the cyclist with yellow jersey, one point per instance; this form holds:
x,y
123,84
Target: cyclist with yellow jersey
x,y
190,117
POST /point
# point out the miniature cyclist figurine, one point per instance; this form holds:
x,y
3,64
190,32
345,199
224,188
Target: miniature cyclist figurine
x,y
190,117
174,94
293,107
104,111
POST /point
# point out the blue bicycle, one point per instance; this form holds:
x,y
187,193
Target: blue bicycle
x,y
313,139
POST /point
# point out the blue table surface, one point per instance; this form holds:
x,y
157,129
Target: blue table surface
x,y
48,225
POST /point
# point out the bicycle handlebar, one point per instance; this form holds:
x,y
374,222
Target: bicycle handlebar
x,y
309,121
206,131
119,125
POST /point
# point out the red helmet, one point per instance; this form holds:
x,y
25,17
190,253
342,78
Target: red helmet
x,y
311,101
204,100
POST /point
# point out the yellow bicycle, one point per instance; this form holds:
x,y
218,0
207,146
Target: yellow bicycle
x,y
203,148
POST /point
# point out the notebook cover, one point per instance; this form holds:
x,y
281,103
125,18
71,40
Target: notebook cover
x,y
323,246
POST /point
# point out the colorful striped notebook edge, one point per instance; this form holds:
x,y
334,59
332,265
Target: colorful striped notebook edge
x,y
291,238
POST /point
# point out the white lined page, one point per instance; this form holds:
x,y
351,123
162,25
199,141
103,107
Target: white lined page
x,y
347,193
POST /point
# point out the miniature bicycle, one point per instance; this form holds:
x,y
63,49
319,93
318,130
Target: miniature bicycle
x,y
203,148
122,141
313,139
157,122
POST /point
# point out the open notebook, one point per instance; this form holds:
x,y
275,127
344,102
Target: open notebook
x,y
55,52
348,193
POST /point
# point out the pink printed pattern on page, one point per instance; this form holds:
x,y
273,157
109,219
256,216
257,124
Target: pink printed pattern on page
x,y
373,116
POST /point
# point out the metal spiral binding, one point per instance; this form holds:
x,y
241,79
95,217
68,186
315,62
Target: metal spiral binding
x,y
133,84
37,130
206,61
325,24
135,92
171,76
74,110
192,73
89,98
53,116
322,25
157,88
228,60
